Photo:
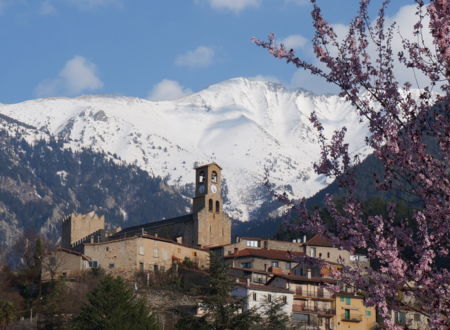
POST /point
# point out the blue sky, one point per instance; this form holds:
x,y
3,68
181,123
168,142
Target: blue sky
x,y
159,49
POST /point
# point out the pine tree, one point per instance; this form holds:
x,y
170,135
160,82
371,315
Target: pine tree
x,y
222,310
113,305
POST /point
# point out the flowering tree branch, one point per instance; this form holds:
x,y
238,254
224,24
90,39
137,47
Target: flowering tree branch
x,y
410,134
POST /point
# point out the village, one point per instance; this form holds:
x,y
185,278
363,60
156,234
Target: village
x,y
299,273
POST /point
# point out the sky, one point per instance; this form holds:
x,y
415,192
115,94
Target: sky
x,y
156,49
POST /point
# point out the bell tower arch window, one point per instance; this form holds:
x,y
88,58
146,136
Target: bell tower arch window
x,y
217,206
210,205
201,177
214,177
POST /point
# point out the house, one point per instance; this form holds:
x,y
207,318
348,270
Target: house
x,y
141,253
64,262
264,259
255,243
352,313
407,318
313,305
259,297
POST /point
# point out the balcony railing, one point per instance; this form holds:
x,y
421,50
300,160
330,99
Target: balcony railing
x,y
351,318
313,293
312,309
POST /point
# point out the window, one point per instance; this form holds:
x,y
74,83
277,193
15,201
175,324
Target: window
x,y
111,266
246,265
284,299
210,205
107,248
155,268
269,298
141,250
194,254
252,243
328,254
347,300
342,299
52,261
214,177
400,318
93,264
155,253
320,255
312,252
217,206
347,314
274,263
288,265
254,296
368,313
141,266
201,176
416,317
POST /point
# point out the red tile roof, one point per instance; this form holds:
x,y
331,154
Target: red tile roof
x,y
60,248
296,278
266,254
261,287
319,240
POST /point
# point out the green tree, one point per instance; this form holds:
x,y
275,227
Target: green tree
x,y
8,313
113,305
221,310
274,317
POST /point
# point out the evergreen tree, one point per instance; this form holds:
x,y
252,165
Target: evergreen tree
x,y
114,306
222,310
275,318
8,313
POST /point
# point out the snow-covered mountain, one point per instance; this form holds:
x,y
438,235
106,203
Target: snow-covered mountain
x,y
247,126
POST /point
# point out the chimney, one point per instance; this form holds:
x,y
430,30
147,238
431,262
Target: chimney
x,y
156,234
238,239
248,281
309,272
304,238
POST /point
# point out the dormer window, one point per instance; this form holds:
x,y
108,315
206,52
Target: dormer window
x,y
214,177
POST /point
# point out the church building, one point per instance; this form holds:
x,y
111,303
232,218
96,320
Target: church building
x,y
153,245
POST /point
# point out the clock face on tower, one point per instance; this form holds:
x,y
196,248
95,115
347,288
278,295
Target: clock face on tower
x,y
213,188
201,189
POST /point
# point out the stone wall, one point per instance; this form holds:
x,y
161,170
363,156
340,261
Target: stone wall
x,y
129,255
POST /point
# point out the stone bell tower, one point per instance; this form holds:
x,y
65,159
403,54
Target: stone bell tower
x,y
214,227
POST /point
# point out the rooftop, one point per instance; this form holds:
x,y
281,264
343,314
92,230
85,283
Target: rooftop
x,y
319,240
266,254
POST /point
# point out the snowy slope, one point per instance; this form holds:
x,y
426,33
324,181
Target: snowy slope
x,y
245,125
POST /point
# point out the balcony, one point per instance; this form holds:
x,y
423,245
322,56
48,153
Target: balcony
x,y
313,293
312,309
351,317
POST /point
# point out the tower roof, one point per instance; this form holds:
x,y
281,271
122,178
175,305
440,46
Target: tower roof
x,y
209,164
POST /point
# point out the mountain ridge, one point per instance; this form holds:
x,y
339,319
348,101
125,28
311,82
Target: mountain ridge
x,y
250,127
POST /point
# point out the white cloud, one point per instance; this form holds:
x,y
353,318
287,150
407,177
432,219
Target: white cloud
x,y
261,77
201,57
167,90
47,8
235,6
294,41
77,76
